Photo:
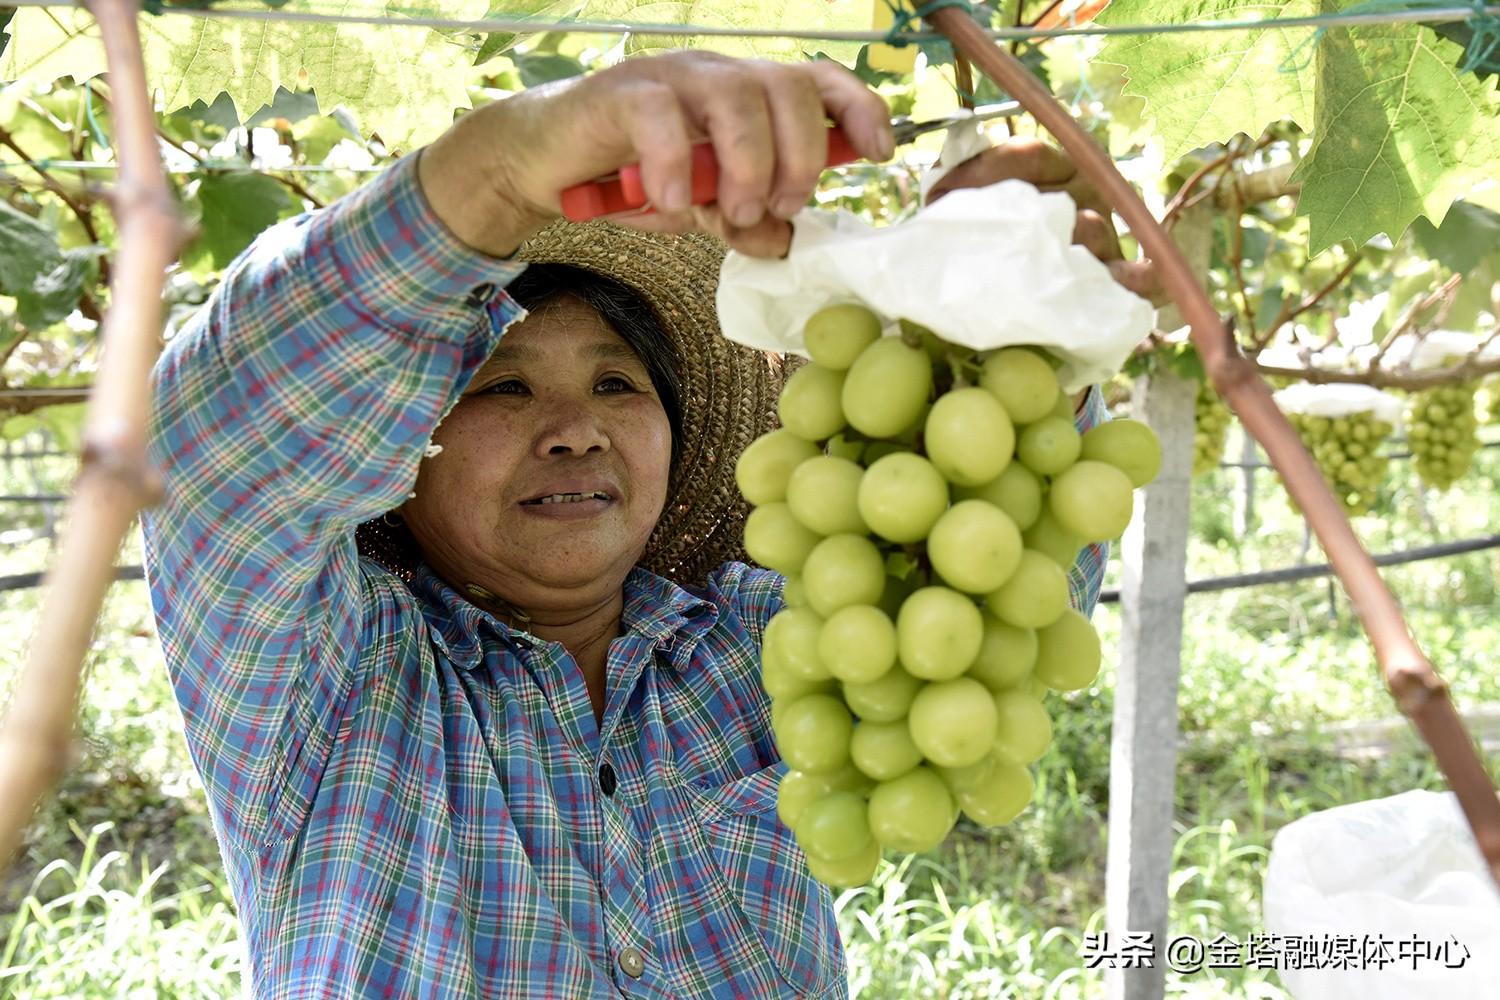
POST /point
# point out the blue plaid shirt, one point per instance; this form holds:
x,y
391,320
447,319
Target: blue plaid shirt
x,y
412,799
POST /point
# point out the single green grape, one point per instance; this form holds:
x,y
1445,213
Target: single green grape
x,y
849,871
886,699
842,570
1052,540
835,335
974,546
1006,655
857,643
883,750
938,633
953,722
1068,653
913,812
809,405
765,467
999,799
1128,445
1093,500
813,733
833,826
1049,446
901,496
1017,491
791,638
1035,595
886,388
777,540
823,494
1022,381
1023,729
969,437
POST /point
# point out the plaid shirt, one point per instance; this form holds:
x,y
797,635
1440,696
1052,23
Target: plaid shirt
x,y
412,799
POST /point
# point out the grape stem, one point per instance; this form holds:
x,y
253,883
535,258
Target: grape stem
x,y
1417,689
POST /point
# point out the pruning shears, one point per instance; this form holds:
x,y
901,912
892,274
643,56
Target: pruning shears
x,y
622,193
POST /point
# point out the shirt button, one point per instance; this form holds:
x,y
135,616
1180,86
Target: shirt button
x,y
480,294
607,786
632,962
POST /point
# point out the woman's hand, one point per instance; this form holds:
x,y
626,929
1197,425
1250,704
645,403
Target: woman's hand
x,y
1049,169
495,177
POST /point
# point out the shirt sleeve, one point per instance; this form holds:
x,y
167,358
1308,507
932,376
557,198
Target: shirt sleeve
x,y
1086,578
297,403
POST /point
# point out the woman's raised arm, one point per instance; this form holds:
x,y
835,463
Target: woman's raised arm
x,y
296,404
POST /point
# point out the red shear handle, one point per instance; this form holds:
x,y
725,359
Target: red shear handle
x,y
623,193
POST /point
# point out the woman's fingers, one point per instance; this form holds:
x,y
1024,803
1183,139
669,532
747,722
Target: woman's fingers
x,y
1095,233
801,137
732,108
1029,160
862,113
654,121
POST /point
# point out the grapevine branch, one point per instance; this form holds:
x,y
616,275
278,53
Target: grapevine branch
x,y
289,183
13,401
1417,689
115,480
1288,311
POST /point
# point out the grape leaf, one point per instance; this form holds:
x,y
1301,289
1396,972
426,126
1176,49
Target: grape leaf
x,y
402,82
498,42
1469,234
45,280
544,67
830,15
1399,133
1463,34
1204,88
235,208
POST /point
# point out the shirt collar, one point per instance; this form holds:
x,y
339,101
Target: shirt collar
x,y
665,614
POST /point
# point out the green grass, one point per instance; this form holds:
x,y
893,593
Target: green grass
x,y
121,893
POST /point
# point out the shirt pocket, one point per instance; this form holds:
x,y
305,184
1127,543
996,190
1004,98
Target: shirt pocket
x,y
765,875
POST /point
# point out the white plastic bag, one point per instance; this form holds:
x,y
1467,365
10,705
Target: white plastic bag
x,y
1399,869
984,267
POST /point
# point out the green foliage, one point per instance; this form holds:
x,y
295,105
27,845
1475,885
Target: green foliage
x,y
1205,88
1468,235
100,927
401,83
45,280
1397,131
233,209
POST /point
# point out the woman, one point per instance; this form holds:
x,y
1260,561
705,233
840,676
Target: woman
x,y
484,751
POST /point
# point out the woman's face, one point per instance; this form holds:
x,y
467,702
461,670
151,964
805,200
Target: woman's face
x,y
554,466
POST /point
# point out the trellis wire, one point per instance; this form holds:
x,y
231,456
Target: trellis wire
x,y
1292,573
1394,456
293,168
24,581
1017,33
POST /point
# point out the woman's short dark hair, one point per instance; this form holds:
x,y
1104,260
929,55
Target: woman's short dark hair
x,y
627,313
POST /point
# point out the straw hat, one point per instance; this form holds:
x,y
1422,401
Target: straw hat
x,y
728,393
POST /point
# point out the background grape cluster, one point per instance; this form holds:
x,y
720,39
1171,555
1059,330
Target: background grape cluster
x,y
925,502
1210,425
1349,451
1443,429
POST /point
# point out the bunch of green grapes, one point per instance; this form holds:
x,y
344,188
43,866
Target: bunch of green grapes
x,y
1210,425
1349,452
1492,401
925,503
1443,430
